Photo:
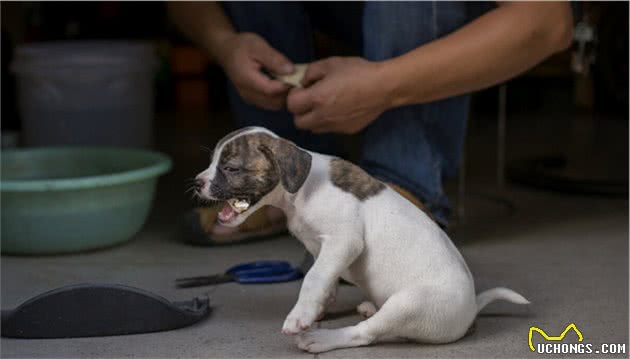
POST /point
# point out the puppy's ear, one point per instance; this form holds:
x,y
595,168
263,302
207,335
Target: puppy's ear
x,y
293,164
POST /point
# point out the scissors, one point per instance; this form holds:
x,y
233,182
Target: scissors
x,y
259,272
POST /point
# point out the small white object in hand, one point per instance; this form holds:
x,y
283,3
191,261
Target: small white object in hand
x,y
294,79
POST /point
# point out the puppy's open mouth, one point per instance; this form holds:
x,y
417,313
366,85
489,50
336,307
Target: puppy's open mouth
x,y
232,208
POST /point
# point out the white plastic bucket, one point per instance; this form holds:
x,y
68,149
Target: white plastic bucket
x,y
86,92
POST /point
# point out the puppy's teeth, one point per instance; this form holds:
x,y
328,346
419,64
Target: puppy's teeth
x,y
241,205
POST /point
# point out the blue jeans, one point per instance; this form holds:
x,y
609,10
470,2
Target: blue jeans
x,y
415,147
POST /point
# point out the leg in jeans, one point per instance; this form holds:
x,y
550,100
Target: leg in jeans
x,y
287,28
415,147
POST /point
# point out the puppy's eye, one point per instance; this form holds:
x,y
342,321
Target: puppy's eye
x,y
230,169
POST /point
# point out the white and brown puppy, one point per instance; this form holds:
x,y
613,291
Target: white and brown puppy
x,y
357,228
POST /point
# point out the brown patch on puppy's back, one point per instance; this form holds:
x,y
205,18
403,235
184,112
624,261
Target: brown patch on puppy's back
x,y
352,179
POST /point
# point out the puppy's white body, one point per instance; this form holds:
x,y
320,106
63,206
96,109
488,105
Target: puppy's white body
x,y
403,253
419,284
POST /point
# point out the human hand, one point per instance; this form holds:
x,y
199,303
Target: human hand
x,y
340,94
243,56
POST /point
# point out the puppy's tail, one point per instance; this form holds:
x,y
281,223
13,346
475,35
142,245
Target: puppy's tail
x,y
490,295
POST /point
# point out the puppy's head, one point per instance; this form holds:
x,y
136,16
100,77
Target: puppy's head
x,y
246,166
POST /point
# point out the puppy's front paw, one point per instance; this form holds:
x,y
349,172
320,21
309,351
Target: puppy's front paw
x,y
317,340
300,319
293,326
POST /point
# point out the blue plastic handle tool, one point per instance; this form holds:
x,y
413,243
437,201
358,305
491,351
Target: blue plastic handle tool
x,y
264,272
247,273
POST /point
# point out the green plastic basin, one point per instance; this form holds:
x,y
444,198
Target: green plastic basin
x,y
69,199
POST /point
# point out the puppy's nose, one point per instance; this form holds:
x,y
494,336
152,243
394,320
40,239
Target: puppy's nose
x,y
199,183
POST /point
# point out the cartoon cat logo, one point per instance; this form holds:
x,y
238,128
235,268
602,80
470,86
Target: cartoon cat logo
x,y
569,327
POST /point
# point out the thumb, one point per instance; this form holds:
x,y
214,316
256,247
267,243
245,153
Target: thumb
x,y
300,101
315,72
272,60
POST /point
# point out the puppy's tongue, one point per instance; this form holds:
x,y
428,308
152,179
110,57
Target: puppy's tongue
x,y
227,213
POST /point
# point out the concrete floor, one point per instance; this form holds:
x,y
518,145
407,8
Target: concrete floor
x,y
567,254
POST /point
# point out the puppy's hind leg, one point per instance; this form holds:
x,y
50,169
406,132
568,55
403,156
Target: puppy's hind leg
x,y
380,326
366,309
